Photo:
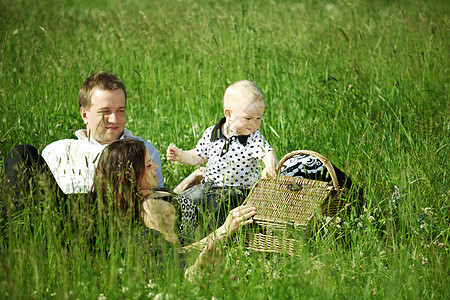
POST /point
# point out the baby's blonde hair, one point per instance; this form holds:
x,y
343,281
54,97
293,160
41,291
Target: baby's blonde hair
x,y
240,90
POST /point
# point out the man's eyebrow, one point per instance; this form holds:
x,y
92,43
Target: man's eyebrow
x,y
107,107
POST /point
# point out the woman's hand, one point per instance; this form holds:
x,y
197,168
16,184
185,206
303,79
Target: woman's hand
x,y
240,216
211,254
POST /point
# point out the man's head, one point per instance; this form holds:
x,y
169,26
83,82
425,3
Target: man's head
x,y
243,106
102,102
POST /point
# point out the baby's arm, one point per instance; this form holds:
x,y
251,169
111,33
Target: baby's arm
x,y
193,179
185,157
270,161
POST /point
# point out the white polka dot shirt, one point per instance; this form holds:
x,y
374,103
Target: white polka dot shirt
x,y
233,161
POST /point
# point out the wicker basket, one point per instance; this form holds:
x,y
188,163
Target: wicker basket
x,y
287,203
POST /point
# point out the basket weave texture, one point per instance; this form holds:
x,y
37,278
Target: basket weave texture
x,y
288,199
287,203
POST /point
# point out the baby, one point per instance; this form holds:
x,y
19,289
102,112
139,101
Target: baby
x,y
232,147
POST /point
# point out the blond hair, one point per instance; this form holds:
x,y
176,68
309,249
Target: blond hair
x,y
240,90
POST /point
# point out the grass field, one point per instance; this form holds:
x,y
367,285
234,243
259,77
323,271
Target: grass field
x,y
365,83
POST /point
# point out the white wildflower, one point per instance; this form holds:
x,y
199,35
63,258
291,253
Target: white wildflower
x,y
101,297
428,211
318,265
396,194
160,296
150,284
424,261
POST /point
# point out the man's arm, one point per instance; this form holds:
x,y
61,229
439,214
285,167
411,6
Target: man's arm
x,y
73,163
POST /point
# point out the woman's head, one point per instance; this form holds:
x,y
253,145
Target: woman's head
x,y
147,179
123,170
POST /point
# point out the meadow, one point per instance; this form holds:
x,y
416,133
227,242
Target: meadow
x,y
365,83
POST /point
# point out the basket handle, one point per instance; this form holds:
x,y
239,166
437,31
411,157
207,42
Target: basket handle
x,y
322,158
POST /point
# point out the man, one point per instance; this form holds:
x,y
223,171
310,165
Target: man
x,y
102,101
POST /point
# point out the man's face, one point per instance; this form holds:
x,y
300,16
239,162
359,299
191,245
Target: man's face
x,y
105,119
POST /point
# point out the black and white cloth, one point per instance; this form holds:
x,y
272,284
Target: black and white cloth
x,y
310,167
187,211
188,216
303,166
233,161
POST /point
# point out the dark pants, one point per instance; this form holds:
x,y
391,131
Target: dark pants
x,y
26,170
214,202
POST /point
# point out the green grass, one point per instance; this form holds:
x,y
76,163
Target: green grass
x,y
363,82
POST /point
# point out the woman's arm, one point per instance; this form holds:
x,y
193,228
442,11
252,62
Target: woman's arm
x,y
210,253
236,218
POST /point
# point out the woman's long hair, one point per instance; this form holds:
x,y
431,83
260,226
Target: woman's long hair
x,y
120,167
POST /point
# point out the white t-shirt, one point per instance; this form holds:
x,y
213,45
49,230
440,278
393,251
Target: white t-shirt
x,y
73,162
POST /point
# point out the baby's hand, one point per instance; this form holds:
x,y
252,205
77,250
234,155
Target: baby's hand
x,y
173,153
268,173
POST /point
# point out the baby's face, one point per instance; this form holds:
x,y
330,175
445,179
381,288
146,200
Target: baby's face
x,y
245,118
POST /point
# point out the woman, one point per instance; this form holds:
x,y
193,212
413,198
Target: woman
x,y
123,184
